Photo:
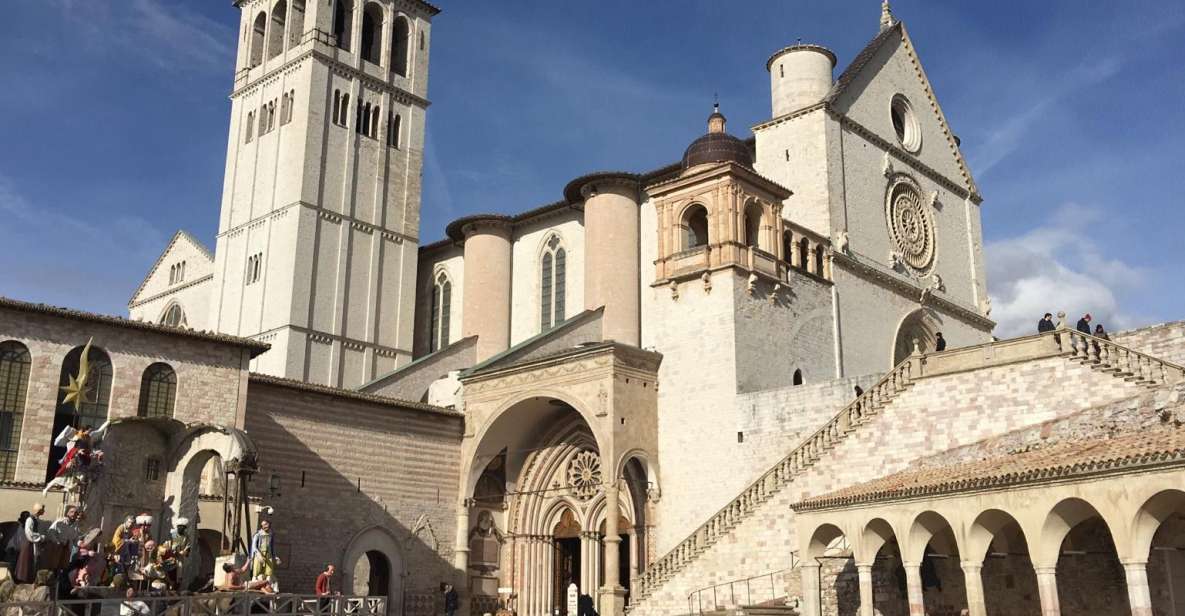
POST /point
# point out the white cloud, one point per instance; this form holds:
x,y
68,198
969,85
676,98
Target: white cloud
x,y
1056,267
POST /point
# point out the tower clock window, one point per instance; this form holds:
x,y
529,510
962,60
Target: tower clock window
x,y
400,36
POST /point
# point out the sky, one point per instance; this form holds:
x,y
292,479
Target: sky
x,y
114,117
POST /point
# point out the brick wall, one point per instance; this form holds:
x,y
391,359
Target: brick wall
x,y
211,375
347,465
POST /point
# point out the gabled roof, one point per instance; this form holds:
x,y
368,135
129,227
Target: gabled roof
x,y
177,237
513,354
256,347
860,62
350,394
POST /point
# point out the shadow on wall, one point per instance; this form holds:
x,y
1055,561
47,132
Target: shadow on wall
x,y
324,517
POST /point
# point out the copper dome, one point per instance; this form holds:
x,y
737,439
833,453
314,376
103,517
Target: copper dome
x,y
717,146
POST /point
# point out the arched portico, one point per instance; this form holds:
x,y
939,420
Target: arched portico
x,y
922,326
552,494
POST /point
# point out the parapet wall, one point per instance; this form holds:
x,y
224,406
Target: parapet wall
x,y
1165,341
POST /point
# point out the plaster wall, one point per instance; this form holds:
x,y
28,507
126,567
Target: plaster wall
x,y
793,152
525,281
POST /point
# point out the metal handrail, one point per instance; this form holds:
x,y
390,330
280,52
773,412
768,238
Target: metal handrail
x,y
695,599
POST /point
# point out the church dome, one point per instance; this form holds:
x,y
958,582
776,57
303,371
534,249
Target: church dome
x,y
717,146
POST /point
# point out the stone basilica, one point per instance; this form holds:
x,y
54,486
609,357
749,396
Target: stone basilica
x,y
715,385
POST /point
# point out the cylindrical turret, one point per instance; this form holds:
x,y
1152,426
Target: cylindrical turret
x,y
799,76
486,308
611,274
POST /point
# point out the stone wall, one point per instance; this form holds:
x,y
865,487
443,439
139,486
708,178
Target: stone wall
x,y
1166,341
934,415
347,465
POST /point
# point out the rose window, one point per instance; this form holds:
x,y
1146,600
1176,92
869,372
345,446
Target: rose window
x,y
584,474
910,225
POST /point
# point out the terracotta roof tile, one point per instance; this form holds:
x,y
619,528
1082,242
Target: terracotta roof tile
x,y
1064,460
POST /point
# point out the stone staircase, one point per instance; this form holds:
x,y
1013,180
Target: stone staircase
x,y
1115,359
765,487
1108,358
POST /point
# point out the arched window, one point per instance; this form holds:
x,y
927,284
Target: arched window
x,y
695,227
358,118
250,127
753,225
92,411
787,245
158,391
284,109
394,123
337,106
345,116
257,31
271,115
296,26
343,19
552,286
372,33
174,316
798,377
400,35
804,248
819,260
14,386
275,39
375,114
442,300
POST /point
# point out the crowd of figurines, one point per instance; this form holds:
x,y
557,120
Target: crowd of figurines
x,y
67,563
58,561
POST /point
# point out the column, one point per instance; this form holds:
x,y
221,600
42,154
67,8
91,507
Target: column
x,y
633,535
865,575
973,578
461,546
612,593
1047,586
810,589
913,585
1138,593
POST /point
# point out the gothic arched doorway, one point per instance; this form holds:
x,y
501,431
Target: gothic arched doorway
x,y
372,575
373,565
919,326
567,559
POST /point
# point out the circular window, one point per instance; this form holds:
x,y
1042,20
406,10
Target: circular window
x,y
910,226
905,124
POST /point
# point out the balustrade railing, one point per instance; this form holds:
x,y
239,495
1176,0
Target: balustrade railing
x,y
209,604
1124,361
773,480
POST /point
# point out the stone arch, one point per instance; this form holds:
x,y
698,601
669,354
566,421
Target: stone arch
x,y
921,324
754,218
996,541
370,549
400,44
1148,519
275,36
693,222
509,410
1062,518
935,548
371,45
876,533
822,538
928,526
987,527
258,32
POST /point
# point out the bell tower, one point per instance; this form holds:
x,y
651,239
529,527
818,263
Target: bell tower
x,y
319,228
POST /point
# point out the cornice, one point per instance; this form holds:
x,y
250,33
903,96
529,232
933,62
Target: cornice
x,y
172,290
326,214
905,287
351,343
723,169
396,92
905,157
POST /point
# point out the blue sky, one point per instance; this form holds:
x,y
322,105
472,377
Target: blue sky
x,y
114,115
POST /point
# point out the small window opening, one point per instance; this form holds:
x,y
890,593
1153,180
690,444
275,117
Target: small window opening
x,y
798,377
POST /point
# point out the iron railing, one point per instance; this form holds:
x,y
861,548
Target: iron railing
x,y
755,590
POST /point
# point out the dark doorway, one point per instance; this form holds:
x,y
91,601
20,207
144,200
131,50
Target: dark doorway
x,y
566,571
379,579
